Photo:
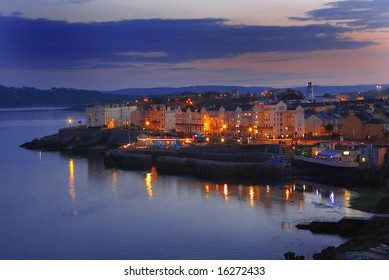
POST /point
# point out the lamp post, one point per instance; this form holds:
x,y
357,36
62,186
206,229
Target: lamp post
x,y
70,122
250,134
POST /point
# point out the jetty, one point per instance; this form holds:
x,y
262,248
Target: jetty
x,y
237,161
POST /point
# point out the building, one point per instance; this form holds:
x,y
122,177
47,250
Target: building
x,y
189,120
109,116
371,156
170,118
354,126
151,117
278,120
309,95
375,128
235,93
324,123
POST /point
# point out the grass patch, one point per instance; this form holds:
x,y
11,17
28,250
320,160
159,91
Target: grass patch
x,y
368,198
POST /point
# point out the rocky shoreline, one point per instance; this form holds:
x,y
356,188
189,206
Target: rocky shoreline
x,y
369,238
80,139
366,242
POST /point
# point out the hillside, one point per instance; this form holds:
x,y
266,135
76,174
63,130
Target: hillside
x,y
33,97
30,97
318,90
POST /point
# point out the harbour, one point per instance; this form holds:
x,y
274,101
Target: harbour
x,y
73,207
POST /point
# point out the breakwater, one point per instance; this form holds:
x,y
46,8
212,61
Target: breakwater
x,y
237,161
128,161
214,168
233,153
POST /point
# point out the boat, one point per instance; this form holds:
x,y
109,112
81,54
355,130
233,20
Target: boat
x,y
331,158
338,166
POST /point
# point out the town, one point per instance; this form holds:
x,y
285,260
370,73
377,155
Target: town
x,y
340,137
274,135
252,117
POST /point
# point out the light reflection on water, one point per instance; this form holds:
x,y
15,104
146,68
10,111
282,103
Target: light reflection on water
x,y
72,207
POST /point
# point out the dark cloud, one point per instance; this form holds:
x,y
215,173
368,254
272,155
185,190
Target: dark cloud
x,y
16,14
360,14
41,43
76,1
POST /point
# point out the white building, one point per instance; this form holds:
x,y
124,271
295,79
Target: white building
x,y
170,119
109,116
278,120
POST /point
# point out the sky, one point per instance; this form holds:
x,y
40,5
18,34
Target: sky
x,y
115,44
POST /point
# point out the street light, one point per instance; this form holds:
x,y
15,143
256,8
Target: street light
x,y
70,122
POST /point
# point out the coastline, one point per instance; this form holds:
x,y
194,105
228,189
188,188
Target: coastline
x,y
81,140
368,239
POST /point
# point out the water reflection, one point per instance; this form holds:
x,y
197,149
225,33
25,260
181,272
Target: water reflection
x,y
299,197
225,192
150,176
251,194
72,187
332,198
266,195
114,182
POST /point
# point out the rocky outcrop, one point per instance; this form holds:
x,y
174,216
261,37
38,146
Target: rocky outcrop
x,y
370,246
369,238
382,206
80,139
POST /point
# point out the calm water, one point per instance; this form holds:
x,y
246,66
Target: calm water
x,y
57,206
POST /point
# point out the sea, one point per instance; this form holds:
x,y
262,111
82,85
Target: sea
x,y
63,206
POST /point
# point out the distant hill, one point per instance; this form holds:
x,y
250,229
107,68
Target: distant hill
x,y
33,97
179,90
318,90
353,89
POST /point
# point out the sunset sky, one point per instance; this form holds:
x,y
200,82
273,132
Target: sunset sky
x,y
113,44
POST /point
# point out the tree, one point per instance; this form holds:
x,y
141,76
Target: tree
x,y
290,94
329,128
385,134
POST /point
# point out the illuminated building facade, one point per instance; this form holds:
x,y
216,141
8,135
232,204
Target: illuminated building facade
x,y
109,116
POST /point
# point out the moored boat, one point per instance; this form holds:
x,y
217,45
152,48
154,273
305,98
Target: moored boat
x,y
342,166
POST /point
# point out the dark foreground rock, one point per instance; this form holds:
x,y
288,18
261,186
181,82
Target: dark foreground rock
x,y
368,237
382,206
370,246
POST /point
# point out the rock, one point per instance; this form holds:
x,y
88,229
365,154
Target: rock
x,y
289,255
382,206
293,256
365,243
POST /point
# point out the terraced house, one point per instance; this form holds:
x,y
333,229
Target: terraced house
x,y
257,121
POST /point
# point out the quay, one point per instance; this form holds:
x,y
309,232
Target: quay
x,y
238,161
267,159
